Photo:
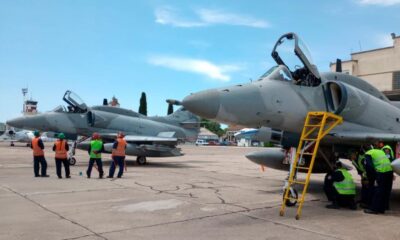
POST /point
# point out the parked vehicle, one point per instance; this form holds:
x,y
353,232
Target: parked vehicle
x,y
201,142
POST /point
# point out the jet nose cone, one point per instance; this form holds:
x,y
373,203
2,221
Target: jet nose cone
x,y
16,122
205,104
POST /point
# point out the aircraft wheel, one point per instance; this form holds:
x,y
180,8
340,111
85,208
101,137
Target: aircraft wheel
x,y
141,160
72,161
291,202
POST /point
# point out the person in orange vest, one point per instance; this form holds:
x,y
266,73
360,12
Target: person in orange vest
x,y
61,149
118,156
39,162
96,147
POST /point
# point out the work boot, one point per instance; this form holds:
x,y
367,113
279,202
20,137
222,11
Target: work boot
x,y
45,175
109,177
37,175
87,174
369,211
68,177
363,205
59,177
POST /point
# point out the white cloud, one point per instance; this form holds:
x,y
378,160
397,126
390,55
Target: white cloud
x,y
379,2
199,66
206,17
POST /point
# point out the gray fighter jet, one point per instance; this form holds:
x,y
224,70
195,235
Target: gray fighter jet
x,y
281,98
146,136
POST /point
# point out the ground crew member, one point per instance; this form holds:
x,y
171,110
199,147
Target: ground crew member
x,y
340,188
358,160
39,162
378,165
61,149
95,149
118,156
389,152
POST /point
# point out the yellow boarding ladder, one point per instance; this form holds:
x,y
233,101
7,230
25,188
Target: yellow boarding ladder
x,y
316,126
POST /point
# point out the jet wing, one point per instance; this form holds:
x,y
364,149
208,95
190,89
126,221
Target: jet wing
x,y
364,136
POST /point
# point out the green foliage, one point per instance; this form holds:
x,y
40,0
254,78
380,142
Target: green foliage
x,y
212,126
170,108
143,104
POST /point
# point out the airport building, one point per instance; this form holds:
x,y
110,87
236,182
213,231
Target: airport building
x,y
380,67
207,135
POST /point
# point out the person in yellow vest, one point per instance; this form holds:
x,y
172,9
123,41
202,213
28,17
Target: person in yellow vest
x,y
358,161
378,167
61,149
39,162
95,149
118,156
340,188
389,152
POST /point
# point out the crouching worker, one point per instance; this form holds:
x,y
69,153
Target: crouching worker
x,y
61,149
95,149
340,188
118,156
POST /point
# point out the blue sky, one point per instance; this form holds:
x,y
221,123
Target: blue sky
x,y
167,49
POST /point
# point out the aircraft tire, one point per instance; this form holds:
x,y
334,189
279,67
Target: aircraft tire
x,y
289,202
72,161
141,160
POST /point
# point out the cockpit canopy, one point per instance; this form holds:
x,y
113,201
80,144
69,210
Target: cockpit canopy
x,y
299,64
277,73
75,103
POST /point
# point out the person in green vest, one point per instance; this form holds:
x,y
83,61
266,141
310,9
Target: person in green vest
x,y
378,167
340,188
358,161
389,152
95,149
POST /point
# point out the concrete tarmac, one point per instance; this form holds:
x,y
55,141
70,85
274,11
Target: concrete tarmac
x,y
210,193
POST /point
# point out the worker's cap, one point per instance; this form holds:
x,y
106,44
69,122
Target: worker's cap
x,y
95,136
61,136
36,133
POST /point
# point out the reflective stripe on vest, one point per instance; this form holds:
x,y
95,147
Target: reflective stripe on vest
x,y
347,186
37,151
95,145
380,160
120,150
61,151
390,149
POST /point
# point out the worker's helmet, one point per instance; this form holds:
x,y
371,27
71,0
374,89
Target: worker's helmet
x,y
36,133
120,135
95,136
61,136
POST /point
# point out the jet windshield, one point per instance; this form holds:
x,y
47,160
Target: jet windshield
x,y
277,73
75,103
290,51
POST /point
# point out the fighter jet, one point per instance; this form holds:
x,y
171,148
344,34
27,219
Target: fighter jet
x,y
282,97
13,135
146,136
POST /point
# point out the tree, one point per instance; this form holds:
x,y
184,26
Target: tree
x,y
170,108
212,126
143,104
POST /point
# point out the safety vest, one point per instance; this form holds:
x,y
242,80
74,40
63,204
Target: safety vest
x,y
95,145
120,150
347,186
380,160
391,151
360,165
61,151
37,151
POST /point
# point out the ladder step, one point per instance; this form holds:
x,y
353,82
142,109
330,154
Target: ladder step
x,y
312,125
309,139
305,168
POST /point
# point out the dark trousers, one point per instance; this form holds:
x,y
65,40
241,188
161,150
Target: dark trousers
x,y
99,164
381,193
65,162
336,198
365,192
121,162
39,162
